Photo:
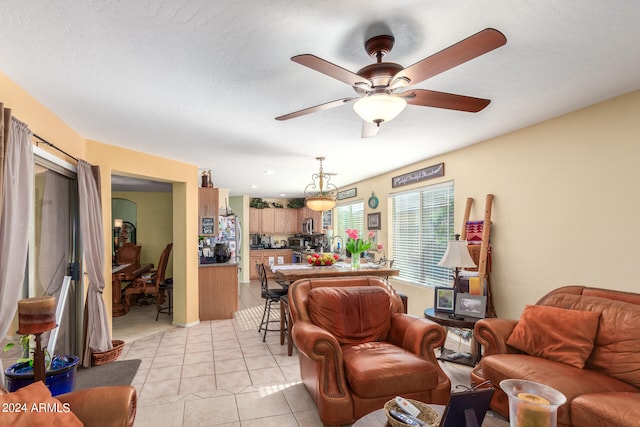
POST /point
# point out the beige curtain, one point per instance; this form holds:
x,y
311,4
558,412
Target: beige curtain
x,y
16,206
5,121
97,321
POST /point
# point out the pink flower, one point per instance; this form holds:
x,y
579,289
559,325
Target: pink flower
x,y
352,234
380,246
371,234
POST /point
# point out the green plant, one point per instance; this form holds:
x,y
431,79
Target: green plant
x,y
27,352
296,203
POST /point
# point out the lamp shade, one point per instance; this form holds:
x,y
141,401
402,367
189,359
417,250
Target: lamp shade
x,y
379,107
36,315
117,223
457,255
320,203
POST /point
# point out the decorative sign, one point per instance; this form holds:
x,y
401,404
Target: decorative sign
x,y
346,194
207,225
417,176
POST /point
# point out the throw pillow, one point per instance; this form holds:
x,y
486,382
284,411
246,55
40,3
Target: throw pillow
x,y
354,315
33,406
558,334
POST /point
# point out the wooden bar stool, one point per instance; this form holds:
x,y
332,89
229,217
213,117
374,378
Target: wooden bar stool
x,y
286,323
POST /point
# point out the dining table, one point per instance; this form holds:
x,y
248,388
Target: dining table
x,y
292,272
124,273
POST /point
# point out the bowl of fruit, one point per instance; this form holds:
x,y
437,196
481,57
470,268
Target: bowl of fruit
x,y
322,260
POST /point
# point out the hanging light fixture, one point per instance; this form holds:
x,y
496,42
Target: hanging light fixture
x,y
379,107
320,195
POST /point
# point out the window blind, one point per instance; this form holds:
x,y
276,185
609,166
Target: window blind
x,y
422,223
350,216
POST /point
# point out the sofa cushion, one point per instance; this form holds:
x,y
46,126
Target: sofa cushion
x,y
606,410
376,369
353,315
617,344
558,334
568,380
33,406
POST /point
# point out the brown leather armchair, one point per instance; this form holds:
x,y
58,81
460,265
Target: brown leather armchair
x,y
358,349
111,406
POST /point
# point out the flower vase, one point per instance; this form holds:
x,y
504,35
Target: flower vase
x,y
355,261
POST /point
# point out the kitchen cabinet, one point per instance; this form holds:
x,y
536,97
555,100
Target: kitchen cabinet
x,y
267,257
309,213
268,221
208,208
255,221
286,221
218,291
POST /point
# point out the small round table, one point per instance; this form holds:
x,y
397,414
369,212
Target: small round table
x,y
463,322
379,419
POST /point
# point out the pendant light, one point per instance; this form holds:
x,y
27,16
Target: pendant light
x,y
320,195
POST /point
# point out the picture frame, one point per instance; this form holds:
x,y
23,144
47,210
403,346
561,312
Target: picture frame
x,y
471,305
327,219
444,299
347,194
374,221
208,225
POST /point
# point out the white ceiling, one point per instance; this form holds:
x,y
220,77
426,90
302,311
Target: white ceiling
x,y
201,81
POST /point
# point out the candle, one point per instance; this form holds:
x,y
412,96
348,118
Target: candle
x,y
533,411
36,315
474,286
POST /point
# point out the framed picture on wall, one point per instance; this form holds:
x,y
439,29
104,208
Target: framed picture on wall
x,y
374,221
444,299
327,219
208,225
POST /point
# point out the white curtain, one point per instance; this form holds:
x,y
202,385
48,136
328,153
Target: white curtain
x,y
97,322
16,203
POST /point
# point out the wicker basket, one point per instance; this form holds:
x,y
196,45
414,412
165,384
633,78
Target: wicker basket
x,y
427,413
102,357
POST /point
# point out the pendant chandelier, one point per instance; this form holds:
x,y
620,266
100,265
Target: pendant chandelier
x,y
320,195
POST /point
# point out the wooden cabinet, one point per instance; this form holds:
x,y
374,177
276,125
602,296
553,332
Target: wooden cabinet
x,y
207,211
268,257
268,221
218,291
286,221
304,213
255,221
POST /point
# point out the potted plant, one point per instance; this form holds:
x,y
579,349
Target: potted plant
x,y
60,370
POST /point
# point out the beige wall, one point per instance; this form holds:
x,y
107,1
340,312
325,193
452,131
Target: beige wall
x,y
565,208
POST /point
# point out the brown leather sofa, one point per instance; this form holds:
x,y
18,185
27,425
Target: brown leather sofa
x,y
358,349
552,340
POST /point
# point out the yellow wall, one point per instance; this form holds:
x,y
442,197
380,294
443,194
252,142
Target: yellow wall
x,y
566,203
125,162
154,229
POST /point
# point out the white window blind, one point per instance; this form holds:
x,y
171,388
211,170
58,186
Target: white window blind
x,y
350,216
422,223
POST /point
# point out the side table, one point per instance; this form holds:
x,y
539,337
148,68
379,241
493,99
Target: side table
x,y
466,322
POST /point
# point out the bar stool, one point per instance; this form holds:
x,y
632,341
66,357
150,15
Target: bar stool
x,y
165,288
286,323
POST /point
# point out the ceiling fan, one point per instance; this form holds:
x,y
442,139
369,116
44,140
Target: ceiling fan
x,y
380,85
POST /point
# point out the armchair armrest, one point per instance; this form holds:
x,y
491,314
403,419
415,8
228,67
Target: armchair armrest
x,y
417,335
112,406
323,348
492,334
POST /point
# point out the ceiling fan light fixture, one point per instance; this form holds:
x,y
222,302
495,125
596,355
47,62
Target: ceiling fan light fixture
x,y
379,107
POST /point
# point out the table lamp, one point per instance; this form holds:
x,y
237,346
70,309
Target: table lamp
x,y
35,316
457,256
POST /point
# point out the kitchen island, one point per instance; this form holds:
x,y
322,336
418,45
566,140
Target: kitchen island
x,y
218,290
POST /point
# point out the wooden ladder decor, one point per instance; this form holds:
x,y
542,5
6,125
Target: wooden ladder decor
x,y
483,257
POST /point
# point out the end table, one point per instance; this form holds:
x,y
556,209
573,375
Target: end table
x,y
465,322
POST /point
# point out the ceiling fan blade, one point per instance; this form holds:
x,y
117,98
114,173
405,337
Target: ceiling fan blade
x,y
450,101
331,70
459,53
325,106
369,129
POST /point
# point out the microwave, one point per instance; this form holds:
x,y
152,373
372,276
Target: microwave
x,y
296,242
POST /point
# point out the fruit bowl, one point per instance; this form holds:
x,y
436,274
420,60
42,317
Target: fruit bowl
x,y
322,260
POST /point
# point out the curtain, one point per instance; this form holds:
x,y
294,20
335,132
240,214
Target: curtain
x,y
16,206
97,322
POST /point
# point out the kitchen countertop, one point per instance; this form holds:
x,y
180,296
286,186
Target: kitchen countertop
x,y
271,249
218,264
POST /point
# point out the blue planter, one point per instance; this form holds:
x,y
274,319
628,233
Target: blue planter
x,y
60,378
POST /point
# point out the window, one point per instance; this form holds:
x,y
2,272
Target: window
x,y
422,223
350,216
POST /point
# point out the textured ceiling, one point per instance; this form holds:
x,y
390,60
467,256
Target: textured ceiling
x,y
201,81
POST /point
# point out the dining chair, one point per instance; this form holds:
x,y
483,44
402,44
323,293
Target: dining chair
x,y
128,253
271,297
149,284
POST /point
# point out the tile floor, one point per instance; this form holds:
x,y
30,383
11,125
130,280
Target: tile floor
x,y
220,373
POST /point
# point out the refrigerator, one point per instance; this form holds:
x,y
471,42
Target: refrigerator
x,y
230,231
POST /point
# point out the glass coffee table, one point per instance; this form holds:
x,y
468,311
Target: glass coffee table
x,y
379,419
